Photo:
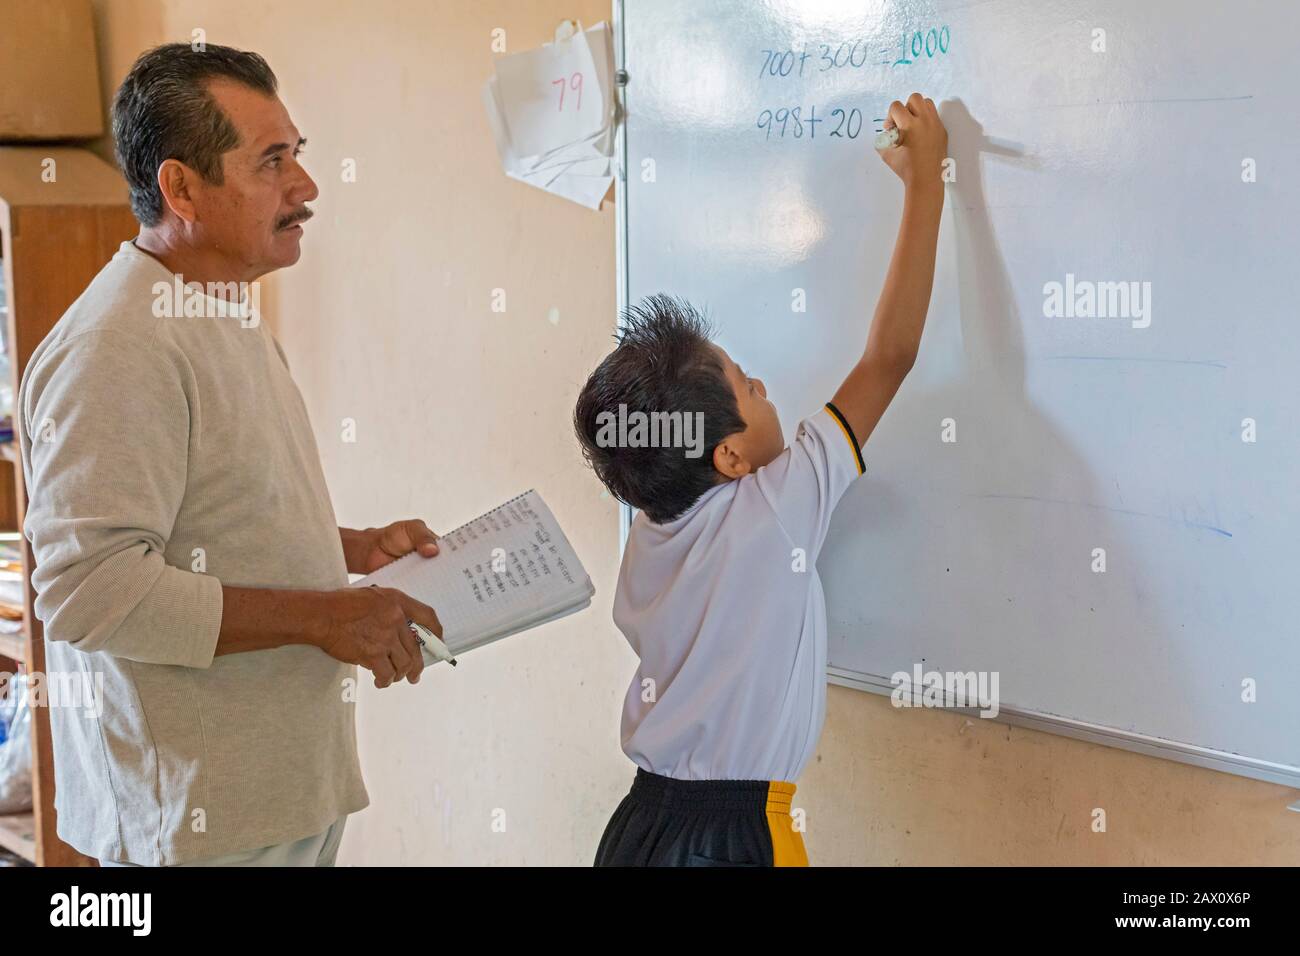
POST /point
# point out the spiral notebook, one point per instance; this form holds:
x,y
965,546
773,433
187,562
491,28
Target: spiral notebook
x,y
506,571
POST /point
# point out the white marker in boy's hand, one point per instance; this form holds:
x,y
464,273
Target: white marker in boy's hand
x,y
922,144
889,137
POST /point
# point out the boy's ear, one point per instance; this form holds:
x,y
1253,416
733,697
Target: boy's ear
x,y
728,458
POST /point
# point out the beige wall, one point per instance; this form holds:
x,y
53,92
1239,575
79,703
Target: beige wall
x,y
386,320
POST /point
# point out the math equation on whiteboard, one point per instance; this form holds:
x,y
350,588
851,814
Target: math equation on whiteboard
x,y
912,46
796,122
839,121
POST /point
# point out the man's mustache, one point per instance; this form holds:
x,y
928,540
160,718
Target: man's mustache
x,y
302,215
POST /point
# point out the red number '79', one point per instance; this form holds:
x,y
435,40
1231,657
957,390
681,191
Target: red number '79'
x,y
574,83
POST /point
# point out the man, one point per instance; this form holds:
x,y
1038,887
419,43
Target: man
x,y
186,547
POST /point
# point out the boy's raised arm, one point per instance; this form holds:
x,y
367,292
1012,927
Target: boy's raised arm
x,y
895,334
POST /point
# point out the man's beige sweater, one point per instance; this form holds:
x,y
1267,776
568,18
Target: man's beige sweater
x,y
163,458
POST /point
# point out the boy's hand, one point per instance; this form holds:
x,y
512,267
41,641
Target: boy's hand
x,y
918,158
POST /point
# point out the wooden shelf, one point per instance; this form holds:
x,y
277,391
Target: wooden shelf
x,y
14,646
80,178
18,834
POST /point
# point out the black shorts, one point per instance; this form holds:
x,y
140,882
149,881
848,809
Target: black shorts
x,y
667,822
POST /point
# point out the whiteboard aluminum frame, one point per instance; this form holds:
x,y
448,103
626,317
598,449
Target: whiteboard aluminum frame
x,y
625,511
1047,723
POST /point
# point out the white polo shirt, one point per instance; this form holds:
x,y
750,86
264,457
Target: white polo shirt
x,y
726,612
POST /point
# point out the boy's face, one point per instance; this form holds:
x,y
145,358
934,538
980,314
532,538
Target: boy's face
x,y
761,441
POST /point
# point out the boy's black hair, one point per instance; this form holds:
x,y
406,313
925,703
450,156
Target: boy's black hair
x,y
663,362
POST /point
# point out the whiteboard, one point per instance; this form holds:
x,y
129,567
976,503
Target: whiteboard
x,y
1116,432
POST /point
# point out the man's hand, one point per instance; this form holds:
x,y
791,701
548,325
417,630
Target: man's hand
x,y
369,550
367,626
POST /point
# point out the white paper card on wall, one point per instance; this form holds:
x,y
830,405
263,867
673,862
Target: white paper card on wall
x,y
551,96
551,112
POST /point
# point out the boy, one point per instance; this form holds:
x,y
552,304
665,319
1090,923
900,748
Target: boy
x,y
728,701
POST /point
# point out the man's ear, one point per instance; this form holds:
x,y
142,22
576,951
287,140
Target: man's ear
x,y
728,458
174,180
